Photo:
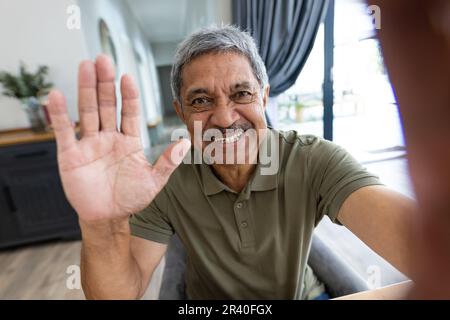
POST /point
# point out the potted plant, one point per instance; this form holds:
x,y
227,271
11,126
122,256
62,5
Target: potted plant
x,y
299,107
29,88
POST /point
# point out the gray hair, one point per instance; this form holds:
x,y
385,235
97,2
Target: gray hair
x,y
216,39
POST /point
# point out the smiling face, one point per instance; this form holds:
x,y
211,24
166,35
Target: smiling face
x,y
221,94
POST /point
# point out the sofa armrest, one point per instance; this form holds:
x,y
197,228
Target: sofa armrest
x,y
173,285
337,275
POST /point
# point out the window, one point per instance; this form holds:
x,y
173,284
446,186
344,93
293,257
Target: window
x,y
364,102
365,115
300,108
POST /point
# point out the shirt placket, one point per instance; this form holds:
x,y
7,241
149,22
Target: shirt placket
x,y
244,223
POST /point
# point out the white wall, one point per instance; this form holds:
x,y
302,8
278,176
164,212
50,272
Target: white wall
x,y
164,52
35,32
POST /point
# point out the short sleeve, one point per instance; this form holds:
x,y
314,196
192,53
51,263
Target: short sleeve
x,y
153,223
334,175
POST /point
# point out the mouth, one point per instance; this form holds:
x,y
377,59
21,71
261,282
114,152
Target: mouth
x,y
230,139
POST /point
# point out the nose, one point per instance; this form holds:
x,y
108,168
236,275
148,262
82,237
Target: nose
x,y
224,114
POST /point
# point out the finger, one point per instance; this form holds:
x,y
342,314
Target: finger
x,y
130,107
87,99
106,93
171,159
62,126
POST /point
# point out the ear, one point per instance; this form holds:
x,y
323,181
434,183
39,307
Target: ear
x,y
266,96
179,110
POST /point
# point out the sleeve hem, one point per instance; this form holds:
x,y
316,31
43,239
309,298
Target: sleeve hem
x,y
345,192
149,234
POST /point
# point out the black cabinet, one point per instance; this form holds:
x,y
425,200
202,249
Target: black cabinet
x,y
33,206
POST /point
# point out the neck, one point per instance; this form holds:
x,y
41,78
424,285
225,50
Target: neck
x,y
235,177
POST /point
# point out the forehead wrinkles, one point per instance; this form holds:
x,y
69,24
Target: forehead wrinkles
x,y
217,72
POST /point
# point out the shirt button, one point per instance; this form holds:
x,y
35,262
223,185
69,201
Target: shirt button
x,y
244,224
239,205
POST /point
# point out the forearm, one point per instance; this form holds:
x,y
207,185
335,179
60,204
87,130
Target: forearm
x,y
108,268
387,222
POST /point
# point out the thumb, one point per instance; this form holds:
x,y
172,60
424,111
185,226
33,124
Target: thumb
x,y
171,158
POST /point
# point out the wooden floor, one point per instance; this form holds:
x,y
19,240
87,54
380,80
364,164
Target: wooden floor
x,y
39,271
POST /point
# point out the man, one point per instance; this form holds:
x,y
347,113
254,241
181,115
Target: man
x,y
247,234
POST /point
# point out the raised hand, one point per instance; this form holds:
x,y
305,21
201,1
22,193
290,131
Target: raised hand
x,y
105,174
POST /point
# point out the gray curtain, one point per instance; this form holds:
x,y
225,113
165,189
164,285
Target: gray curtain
x,y
285,31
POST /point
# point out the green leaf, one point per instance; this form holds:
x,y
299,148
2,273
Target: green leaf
x,y
25,84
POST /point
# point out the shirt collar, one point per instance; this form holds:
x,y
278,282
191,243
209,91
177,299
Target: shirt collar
x,y
212,185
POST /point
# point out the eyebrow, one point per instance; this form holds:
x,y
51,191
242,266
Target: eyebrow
x,y
195,91
242,85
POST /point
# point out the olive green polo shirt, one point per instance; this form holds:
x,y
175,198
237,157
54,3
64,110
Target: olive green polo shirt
x,y
253,244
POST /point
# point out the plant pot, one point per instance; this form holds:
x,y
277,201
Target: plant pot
x,y
35,113
299,115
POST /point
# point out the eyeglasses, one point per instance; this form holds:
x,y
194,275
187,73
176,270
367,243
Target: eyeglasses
x,y
204,103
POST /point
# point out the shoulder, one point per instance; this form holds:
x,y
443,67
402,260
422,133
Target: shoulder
x,y
292,137
305,144
307,153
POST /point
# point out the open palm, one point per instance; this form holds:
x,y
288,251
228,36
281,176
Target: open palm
x,y
105,174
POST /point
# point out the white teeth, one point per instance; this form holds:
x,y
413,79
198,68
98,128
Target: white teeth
x,y
235,137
